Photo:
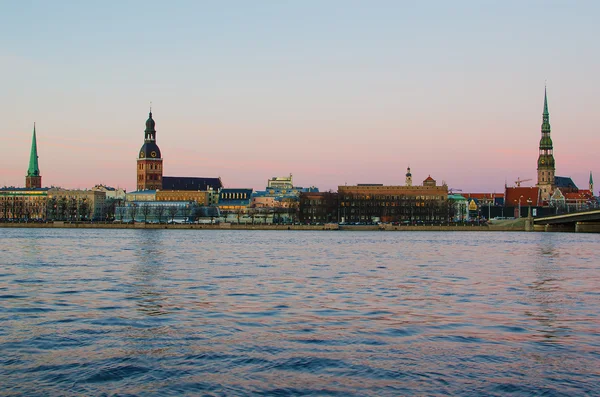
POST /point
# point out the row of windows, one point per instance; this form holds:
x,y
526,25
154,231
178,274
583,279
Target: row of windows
x,y
151,166
381,197
234,196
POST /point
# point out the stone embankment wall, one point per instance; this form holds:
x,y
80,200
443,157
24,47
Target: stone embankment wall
x,y
514,226
140,225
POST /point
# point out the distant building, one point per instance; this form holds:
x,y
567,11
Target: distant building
x,y
76,205
199,197
459,208
150,168
520,198
280,182
23,203
141,195
366,203
565,184
111,192
234,199
319,207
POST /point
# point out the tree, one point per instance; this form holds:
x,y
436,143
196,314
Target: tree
x,y
159,212
133,209
83,209
145,209
4,209
120,212
72,209
224,214
109,209
172,210
186,211
63,206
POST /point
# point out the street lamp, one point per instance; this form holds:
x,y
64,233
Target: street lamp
x,y
529,208
520,205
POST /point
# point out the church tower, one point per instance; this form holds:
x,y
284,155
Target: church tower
x,y
546,166
33,178
591,183
408,177
149,162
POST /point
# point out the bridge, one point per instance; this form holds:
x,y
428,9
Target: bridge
x,y
584,221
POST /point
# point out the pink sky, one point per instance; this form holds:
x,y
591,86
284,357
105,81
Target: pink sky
x,y
350,94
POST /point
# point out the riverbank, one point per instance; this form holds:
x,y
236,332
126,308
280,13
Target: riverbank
x,y
516,225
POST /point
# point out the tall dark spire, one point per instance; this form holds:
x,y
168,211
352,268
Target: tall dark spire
x,y
545,103
33,169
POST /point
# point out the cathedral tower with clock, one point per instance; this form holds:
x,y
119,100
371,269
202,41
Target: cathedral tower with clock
x,y
545,166
149,162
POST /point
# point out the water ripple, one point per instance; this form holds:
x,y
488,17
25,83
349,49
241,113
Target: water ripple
x,y
239,313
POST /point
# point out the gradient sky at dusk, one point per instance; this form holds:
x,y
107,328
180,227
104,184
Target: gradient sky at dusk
x,y
332,91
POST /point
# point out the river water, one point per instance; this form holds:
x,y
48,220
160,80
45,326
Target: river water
x,y
286,313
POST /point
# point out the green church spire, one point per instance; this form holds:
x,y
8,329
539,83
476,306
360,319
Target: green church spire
x,y
545,103
34,169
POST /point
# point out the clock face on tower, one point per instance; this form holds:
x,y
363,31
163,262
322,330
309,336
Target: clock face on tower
x,y
543,161
153,154
142,155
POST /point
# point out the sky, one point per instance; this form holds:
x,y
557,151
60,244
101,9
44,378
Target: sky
x,y
333,91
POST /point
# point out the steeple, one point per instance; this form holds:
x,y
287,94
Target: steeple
x,y
33,178
150,131
591,183
545,103
408,177
546,165
149,161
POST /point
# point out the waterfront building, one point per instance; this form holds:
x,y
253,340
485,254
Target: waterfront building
x,y
152,211
112,193
318,207
141,195
581,200
76,205
199,197
520,198
33,178
366,203
488,205
280,199
459,209
234,203
23,204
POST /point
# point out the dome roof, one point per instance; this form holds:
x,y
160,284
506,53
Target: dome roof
x,y
149,150
150,123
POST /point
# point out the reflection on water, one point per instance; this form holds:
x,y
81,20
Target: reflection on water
x,y
172,312
147,273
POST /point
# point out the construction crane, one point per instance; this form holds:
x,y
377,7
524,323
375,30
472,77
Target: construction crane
x,y
519,180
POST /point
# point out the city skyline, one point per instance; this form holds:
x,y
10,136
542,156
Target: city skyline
x,y
354,102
